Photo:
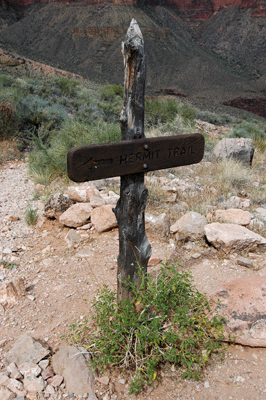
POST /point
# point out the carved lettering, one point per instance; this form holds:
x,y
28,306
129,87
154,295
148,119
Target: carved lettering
x,y
123,159
183,151
139,156
147,155
176,152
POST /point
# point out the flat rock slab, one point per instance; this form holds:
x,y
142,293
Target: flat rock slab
x,y
26,349
72,363
243,304
230,216
230,237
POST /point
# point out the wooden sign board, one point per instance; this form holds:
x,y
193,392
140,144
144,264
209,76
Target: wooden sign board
x,y
88,163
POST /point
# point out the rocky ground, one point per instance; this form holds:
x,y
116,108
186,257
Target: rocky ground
x,y
53,285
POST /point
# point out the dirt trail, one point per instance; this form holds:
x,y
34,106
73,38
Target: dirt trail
x,y
59,280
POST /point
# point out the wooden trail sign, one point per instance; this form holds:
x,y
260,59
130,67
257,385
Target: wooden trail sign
x,y
130,159
88,163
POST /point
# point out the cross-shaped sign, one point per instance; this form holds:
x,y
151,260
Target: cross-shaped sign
x,y
130,159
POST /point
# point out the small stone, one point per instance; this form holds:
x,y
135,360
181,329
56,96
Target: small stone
x,y
240,379
14,385
33,384
76,193
7,250
97,201
43,364
13,218
5,394
4,379
14,372
31,297
72,238
39,187
47,373
49,389
153,261
122,381
55,381
104,380
29,368
206,384
196,255
245,262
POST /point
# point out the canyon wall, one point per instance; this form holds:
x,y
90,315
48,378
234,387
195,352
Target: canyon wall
x,y
192,10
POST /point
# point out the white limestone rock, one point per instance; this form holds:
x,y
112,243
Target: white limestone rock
x,y
232,237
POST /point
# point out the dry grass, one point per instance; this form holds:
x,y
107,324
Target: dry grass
x,y
9,151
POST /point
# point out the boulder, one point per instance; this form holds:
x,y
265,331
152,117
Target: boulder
x,y
159,226
72,363
243,304
26,349
241,149
231,216
76,215
230,237
103,218
190,226
57,205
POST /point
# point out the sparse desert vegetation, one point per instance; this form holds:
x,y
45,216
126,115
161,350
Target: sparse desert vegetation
x,y
47,117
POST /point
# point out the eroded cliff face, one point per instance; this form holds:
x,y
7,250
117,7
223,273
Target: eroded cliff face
x,y
192,10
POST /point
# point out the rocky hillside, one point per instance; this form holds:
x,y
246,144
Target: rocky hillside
x,y
219,60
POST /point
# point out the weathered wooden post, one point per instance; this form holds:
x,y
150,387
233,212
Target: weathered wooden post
x,y
130,159
134,248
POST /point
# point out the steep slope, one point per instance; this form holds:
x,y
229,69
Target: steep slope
x,y
237,36
86,39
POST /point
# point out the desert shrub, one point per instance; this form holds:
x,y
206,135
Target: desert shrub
x,y
110,92
34,111
250,130
67,86
49,160
111,101
171,326
160,110
187,112
31,215
6,80
212,118
8,120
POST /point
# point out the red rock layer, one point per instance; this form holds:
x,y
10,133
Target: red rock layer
x,y
194,9
256,106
